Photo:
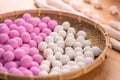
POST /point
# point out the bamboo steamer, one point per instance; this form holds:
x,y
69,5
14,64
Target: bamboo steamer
x,y
95,33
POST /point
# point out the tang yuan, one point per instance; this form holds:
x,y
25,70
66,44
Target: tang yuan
x,y
66,25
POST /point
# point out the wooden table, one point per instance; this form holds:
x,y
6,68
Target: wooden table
x,y
110,69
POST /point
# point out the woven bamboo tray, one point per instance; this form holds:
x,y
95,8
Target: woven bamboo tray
x,y
95,33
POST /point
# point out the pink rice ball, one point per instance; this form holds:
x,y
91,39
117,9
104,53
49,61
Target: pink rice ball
x,y
35,70
26,17
4,29
27,72
21,29
22,68
36,30
32,43
13,43
10,65
38,39
26,61
33,51
2,51
52,24
4,38
34,64
26,49
8,48
19,53
33,34
2,61
38,58
42,26
25,37
13,27
3,69
47,31
29,27
13,33
19,22
17,62
43,35
45,19
2,24
26,45
1,45
8,22
19,40
8,56
15,71
1,64
34,21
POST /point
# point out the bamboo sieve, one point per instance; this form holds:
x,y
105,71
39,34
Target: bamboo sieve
x,y
95,33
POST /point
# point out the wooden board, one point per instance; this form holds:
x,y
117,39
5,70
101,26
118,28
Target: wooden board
x,y
110,69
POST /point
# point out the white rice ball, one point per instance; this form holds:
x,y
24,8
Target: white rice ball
x,y
42,46
57,69
53,34
57,38
58,55
44,67
61,44
65,70
81,64
82,33
79,59
77,44
80,39
70,35
78,53
51,58
62,33
66,25
58,49
47,52
96,50
52,45
75,67
66,67
87,48
89,54
88,60
71,63
86,43
68,48
70,53
64,59
71,30
53,73
69,41
58,28
78,49
46,62
49,39
56,63
43,73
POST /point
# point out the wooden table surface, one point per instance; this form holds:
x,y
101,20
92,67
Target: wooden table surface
x,y
110,69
